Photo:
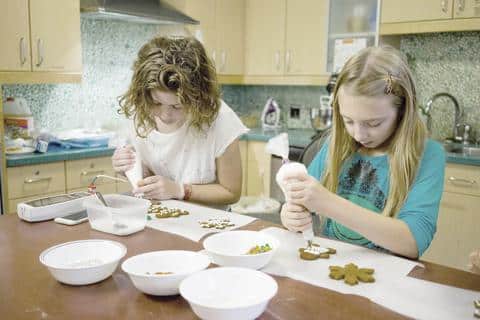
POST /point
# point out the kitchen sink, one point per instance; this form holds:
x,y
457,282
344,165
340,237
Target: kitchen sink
x,y
460,149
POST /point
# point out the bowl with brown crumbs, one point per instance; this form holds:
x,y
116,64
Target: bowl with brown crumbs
x,y
159,273
241,248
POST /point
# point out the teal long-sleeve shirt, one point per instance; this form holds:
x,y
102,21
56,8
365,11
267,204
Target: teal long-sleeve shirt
x,y
364,180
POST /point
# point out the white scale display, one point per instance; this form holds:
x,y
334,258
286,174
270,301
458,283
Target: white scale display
x,y
52,206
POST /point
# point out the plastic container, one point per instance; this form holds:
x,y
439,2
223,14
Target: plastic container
x,y
123,216
18,119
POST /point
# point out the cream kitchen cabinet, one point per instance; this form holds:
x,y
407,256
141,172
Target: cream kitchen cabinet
x,y
458,227
40,41
412,10
35,181
221,30
243,155
80,173
403,17
258,169
466,9
286,41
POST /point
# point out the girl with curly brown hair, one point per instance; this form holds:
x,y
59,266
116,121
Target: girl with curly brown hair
x,y
184,134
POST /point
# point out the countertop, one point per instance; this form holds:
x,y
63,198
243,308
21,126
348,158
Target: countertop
x,y
297,137
28,291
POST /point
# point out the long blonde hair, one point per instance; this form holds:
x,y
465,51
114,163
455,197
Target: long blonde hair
x,y
376,72
177,65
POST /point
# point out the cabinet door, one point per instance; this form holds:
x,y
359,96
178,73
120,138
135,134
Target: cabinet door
x,y
413,10
14,36
466,9
55,35
203,11
265,37
306,44
230,29
458,231
258,169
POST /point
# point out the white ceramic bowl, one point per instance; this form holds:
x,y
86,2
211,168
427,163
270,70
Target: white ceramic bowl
x,y
142,268
230,248
84,261
228,293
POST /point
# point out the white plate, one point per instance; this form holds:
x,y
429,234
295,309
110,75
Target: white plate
x,y
23,150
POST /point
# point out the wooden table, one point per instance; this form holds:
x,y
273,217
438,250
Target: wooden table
x,y
28,291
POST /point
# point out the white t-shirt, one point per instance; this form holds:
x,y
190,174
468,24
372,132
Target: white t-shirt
x,y
187,155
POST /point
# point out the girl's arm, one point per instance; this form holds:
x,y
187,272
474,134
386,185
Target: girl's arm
x,y
228,187
389,233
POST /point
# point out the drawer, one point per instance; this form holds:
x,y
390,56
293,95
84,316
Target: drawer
x,y
80,173
34,180
462,179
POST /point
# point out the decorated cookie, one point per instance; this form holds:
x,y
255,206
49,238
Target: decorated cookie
x,y
351,274
164,212
216,223
315,252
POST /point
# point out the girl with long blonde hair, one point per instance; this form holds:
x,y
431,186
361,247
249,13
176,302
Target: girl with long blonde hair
x,y
380,180
185,136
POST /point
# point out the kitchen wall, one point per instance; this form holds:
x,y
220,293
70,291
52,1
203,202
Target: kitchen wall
x,y
440,62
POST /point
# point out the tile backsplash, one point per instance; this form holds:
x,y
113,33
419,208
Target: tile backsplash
x,y
441,62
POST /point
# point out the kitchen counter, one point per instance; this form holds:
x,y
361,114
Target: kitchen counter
x,y
297,137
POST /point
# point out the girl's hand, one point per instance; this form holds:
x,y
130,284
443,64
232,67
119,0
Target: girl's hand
x,y
123,159
475,261
159,188
304,190
295,218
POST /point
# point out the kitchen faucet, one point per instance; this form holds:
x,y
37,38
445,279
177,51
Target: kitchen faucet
x,y
428,108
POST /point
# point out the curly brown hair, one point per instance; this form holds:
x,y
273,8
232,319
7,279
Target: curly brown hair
x,y
177,65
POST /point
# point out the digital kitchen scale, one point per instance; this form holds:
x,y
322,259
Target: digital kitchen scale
x,y
52,206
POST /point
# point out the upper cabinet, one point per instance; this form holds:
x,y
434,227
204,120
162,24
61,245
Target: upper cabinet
x,y
412,10
466,9
286,41
40,41
221,30
409,16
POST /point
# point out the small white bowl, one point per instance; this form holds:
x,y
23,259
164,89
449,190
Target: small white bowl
x,y
228,293
142,268
229,249
83,262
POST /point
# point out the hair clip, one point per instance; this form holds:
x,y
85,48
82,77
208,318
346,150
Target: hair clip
x,y
389,86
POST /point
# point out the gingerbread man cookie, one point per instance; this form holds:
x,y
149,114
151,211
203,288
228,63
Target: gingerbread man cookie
x,y
315,252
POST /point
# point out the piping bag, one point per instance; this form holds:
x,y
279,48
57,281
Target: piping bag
x,y
279,146
135,174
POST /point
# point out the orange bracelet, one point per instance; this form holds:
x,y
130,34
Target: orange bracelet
x,y
187,191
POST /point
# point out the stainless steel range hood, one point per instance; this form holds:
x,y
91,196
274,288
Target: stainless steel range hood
x,y
139,11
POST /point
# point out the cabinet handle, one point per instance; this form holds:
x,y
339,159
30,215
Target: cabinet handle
x,y
91,172
277,60
23,50
34,180
461,5
460,180
224,60
445,6
288,56
40,52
